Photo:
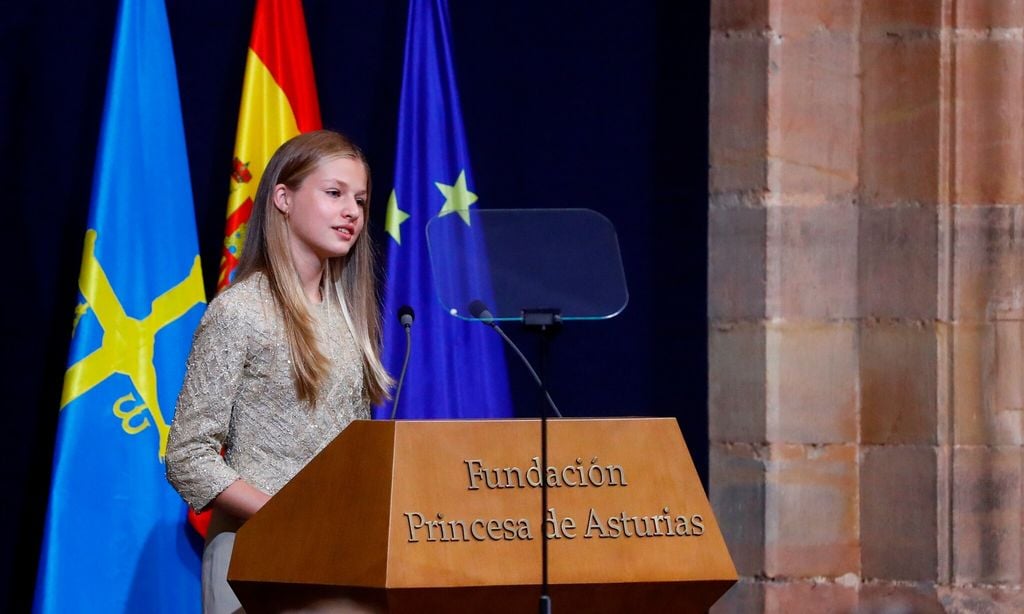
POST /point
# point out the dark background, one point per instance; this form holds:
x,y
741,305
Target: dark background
x,y
567,104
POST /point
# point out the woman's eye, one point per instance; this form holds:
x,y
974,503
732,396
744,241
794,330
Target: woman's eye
x,y
333,193
361,202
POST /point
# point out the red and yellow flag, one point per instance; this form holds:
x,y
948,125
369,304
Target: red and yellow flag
x,y
278,102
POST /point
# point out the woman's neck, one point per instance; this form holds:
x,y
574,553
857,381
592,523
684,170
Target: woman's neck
x,y
311,271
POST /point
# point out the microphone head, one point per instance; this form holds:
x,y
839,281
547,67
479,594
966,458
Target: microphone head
x,y
406,315
480,311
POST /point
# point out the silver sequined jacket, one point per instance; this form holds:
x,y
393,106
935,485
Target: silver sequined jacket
x,y
239,394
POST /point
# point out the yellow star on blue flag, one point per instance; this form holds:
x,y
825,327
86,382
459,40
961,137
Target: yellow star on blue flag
x,y
432,156
458,198
394,218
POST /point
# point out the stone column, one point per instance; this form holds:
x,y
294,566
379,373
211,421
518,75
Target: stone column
x,y
866,299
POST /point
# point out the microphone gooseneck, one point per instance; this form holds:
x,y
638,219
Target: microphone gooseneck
x,y
480,311
405,317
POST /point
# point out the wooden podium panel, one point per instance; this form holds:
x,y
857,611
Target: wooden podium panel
x,y
445,516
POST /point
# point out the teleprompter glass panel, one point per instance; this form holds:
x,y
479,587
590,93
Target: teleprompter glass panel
x,y
516,260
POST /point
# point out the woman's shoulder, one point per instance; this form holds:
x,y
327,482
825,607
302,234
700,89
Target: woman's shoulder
x,y
246,304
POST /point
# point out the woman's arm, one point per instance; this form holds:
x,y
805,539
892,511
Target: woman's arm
x,y
202,417
241,500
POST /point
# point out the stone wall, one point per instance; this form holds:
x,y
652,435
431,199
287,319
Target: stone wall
x,y
866,302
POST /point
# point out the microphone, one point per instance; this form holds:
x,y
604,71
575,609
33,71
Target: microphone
x,y
479,310
405,317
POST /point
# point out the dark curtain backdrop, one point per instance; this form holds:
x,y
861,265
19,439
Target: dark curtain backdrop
x,y
566,104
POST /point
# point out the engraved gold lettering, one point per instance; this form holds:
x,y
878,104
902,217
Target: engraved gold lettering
x,y
431,525
570,470
557,529
551,524
599,480
474,468
657,526
625,524
646,521
457,536
456,530
573,475
668,521
612,471
569,527
682,525
581,472
441,526
533,473
494,530
516,471
614,527
523,532
510,529
414,526
473,527
594,524
698,525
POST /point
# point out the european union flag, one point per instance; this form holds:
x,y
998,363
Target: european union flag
x,y
457,368
115,540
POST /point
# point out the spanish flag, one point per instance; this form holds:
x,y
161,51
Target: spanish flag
x,y
278,102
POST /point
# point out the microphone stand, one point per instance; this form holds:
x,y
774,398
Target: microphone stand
x,y
545,322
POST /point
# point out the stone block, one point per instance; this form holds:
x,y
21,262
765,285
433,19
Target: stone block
x,y
900,152
944,514
805,18
810,597
891,598
987,515
988,263
737,489
987,14
814,125
988,391
811,382
811,263
737,15
736,263
898,262
736,383
989,121
898,382
898,513
811,512
738,127
888,18
982,599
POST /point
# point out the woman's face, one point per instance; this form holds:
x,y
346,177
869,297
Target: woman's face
x,y
327,212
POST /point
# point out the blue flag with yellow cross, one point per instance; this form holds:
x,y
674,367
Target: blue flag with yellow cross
x,y
115,540
457,368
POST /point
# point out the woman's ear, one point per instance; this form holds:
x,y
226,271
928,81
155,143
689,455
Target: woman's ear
x,y
281,199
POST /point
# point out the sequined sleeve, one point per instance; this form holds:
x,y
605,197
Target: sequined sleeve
x,y
202,418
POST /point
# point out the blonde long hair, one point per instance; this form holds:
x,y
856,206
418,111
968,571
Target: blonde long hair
x,y
350,279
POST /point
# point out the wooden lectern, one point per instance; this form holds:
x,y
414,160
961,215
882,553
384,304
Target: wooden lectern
x,y
444,516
